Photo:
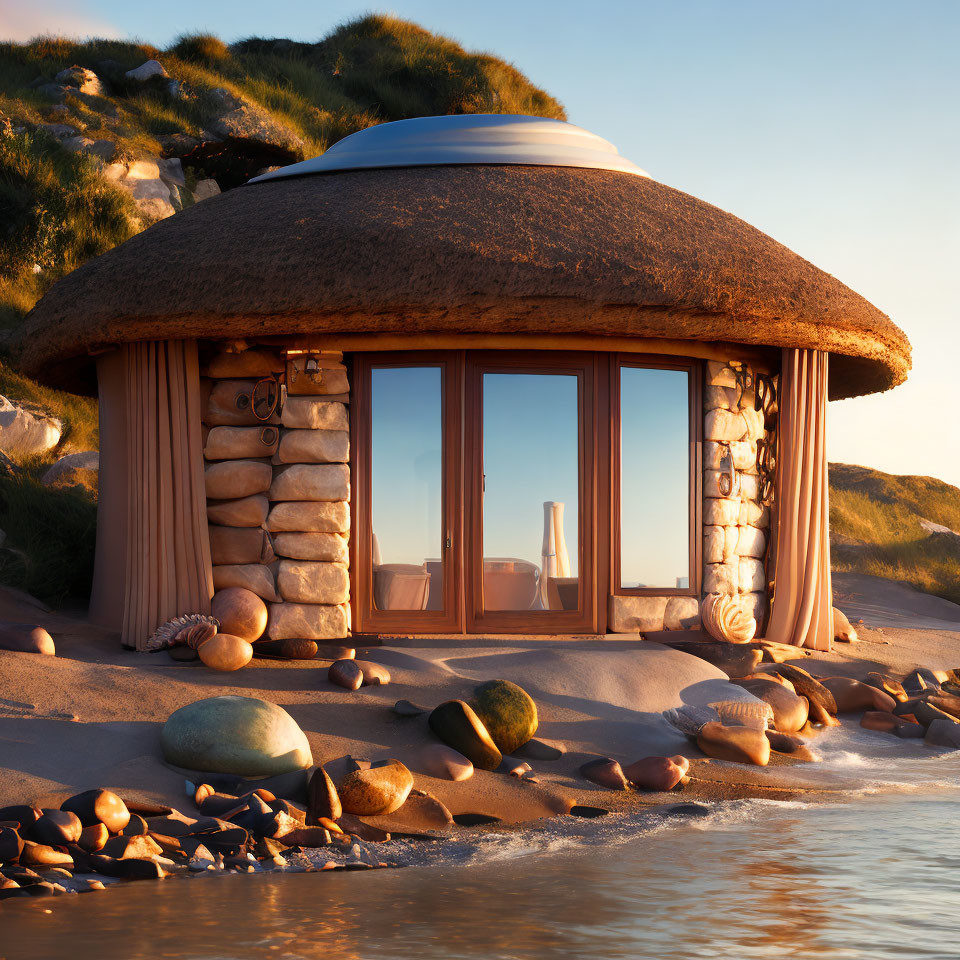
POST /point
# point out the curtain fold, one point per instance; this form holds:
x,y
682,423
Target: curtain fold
x,y
168,570
802,608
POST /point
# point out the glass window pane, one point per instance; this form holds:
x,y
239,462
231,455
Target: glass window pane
x,y
531,492
406,483
654,478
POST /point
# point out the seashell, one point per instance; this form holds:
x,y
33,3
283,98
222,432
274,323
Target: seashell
x,y
196,634
688,720
743,713
168,634
728,618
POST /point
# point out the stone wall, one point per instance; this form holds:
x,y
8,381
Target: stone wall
x,y
735,527
278,491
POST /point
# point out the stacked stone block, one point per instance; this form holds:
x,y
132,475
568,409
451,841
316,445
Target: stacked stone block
x,y
278,491
736,526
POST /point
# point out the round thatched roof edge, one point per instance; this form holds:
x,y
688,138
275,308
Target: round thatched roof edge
x,y
479,249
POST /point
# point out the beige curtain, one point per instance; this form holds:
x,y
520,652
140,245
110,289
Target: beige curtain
x,y
153,549
801,613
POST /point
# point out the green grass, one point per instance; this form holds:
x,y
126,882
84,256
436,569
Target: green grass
x,y
51,535
875,519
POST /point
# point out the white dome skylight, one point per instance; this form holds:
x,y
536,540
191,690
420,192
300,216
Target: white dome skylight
x,y
465,139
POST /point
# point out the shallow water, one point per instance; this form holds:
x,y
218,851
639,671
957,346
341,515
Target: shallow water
x,y
871,878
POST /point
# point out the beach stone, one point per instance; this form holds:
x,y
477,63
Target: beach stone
x,y
314,446
306,581
790,711
307,621
943,733
289,649
225,652
255,577
311,517
605,772
140,847
804,684
380,789
540,750
458,726
25,432
237,735
854,696
890,686
310,481
21,814
346,674
882,721
332,652
98,806
783,742
421,811
236,479
56,827
44,855
738,744
26,638
919,680
331,547
735,660
926,713
322,798
910,731
247,512
843,630
127,869
947,703
657,773
405,708
442,762
93,838
374,674
310,413
240,612
508,713
11,844
238,545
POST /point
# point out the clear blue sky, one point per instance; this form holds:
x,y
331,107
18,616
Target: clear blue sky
x,y
830,124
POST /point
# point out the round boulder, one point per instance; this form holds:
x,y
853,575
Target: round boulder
x,y
240,612
507,711
245,736
456,724
99,806
381,788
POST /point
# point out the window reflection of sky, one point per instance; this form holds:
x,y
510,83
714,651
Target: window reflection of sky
x,y
655,484
530,456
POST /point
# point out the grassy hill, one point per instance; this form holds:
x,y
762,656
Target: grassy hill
x,y
881,524
57,208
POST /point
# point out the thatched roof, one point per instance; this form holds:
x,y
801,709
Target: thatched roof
x,y
470,249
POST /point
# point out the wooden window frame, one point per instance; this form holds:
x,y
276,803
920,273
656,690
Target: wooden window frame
x,y
694,369
585,366
366,618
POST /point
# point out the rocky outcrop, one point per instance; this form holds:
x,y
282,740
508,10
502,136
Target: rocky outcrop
x,y
235,118
27,431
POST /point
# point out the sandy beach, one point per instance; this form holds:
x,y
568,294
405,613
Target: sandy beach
x,y
91,716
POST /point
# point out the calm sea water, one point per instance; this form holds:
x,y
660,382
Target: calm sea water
x,y
876,877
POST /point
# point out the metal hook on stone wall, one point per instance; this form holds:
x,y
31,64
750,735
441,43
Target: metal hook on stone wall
x,y
728,481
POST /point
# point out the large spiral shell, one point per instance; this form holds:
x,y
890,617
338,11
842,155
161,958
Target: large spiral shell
x,y
728,618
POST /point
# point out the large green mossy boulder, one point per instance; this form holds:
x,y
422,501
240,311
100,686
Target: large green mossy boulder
x,y
239,735
455,723
507,711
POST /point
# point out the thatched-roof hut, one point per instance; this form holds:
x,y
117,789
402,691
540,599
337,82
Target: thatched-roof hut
x,y
465,322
